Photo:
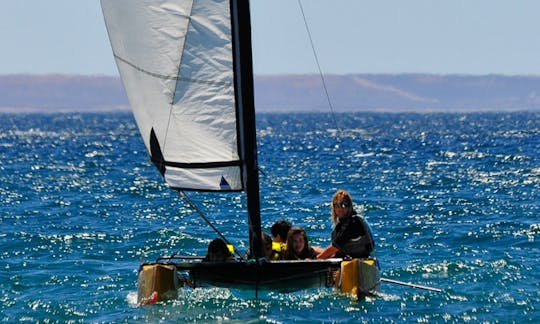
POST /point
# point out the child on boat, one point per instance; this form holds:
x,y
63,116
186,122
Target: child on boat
x,y
269,252
218,251
279,231
297,247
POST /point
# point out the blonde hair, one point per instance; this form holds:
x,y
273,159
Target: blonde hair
x,y
339,197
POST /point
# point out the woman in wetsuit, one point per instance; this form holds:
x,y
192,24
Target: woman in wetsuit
x,y
351,236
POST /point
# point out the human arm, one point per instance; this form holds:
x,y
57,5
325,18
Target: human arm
x,y
329,252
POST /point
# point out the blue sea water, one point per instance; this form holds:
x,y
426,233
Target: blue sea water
x,y
453,201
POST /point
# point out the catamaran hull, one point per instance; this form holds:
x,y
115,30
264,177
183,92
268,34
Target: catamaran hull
x,y
156,282
279,276
357,277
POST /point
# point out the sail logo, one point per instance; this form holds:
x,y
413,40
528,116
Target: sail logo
x,y
223,184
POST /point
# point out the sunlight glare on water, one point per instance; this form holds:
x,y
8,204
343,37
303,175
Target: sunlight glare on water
x,y
452,199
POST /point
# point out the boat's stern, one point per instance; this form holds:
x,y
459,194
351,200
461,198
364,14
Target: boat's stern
x,y
359,277
157,282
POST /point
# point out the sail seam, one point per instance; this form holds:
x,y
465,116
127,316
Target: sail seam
x,y
168,77
181,56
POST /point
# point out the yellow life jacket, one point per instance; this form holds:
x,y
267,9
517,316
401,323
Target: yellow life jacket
x,y
277,250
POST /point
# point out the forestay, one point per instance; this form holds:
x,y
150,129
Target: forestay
x,y
175,59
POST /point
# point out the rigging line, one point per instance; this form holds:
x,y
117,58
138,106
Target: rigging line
x,y
272,180
319,67
201,213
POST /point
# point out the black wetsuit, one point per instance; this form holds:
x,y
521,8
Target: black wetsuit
x,y
352,237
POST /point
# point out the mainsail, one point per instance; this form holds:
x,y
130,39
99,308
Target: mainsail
x,y
187,70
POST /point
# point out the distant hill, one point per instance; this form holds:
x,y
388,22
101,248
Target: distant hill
x,y
406,92
283,93
61,93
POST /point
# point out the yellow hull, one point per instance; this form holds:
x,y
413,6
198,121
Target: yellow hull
x,y
156,283
358,277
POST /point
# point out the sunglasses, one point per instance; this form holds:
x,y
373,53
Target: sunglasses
x,y
343,204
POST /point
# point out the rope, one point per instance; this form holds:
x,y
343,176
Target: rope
x,y
319,67
203,216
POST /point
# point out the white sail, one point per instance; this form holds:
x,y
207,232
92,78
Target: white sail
x,y
175,59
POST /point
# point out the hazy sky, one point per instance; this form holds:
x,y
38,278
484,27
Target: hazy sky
x,y
351,36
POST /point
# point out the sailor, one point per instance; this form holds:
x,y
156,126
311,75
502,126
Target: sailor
x,y
279,231
298,245
218,251
269,252
351,235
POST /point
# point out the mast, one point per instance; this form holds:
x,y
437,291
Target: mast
x,y
243,66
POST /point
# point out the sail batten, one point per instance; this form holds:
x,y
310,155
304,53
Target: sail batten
x,y
172,77
205,165
140,69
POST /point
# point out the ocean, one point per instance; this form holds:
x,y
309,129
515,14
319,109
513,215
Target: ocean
x,y
453,200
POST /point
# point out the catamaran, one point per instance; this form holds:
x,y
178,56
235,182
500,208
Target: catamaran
x,y
186,66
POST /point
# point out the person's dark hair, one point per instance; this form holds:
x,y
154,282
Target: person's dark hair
x,y
218,251
306,252
281,228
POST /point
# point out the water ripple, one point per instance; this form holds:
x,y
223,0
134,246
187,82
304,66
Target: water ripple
x,y
453,200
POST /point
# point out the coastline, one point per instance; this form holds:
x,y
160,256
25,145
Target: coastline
x,y
294,93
